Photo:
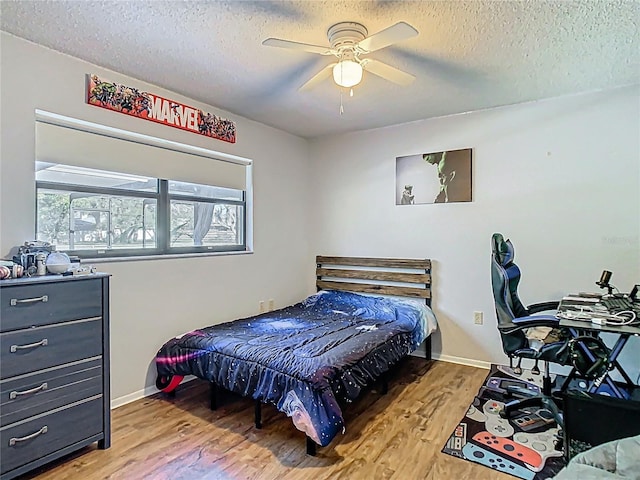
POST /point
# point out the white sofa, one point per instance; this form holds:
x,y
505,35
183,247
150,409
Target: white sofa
x,y
615,460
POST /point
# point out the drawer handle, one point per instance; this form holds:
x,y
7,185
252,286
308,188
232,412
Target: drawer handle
x,y
14,440
13,395
43,299
42,343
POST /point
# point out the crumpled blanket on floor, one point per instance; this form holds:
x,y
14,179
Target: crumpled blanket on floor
x,y
619,459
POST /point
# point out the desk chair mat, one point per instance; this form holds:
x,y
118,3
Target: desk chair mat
x,y
522,446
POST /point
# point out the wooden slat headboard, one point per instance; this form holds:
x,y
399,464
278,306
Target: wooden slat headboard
x,y
415,274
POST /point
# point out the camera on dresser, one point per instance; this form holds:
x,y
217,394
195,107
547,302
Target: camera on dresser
x,y
54,369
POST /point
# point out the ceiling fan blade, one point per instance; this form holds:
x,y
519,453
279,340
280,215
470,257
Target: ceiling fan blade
x,y
387,72
444,70
273,8
318,77
276,42
393,34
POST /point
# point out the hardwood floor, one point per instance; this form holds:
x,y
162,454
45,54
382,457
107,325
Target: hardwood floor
x,y
394,436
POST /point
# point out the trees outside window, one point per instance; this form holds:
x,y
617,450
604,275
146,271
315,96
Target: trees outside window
x,y
98,213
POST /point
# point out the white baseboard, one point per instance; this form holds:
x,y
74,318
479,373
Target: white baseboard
x,y
132,397
420,352
462,361
145,392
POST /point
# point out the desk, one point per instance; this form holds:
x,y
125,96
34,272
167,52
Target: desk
x,y
579,327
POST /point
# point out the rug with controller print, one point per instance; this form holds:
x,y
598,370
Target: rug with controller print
x,y
524,445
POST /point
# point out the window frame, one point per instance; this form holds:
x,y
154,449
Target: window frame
x,y
56,119
163,220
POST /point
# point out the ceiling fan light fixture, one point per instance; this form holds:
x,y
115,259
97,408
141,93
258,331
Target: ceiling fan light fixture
x,y
347,73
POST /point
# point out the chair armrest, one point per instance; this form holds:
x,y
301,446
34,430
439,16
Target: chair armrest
x,y
537,321
541,307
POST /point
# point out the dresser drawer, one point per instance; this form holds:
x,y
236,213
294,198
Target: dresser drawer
x,y
32,394
29,440
32,349
23,306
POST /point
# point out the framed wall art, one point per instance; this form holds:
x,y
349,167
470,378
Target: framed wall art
x,y
438,177
149,106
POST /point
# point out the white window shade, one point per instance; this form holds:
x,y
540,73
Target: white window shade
x,y
126,152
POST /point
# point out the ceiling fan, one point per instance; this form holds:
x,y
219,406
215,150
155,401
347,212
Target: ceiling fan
x,y
349,42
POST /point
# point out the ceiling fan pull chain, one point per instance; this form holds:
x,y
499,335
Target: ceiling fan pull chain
x,y
341,107
351,93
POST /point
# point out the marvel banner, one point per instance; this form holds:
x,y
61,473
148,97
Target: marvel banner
x,y
131,101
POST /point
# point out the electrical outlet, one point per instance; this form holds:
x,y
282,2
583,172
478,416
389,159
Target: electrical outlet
x,y
261,304
271,303
477,318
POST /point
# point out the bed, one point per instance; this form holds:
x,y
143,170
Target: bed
x,y
309,358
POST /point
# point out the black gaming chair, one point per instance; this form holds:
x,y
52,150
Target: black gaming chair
x,y
513,318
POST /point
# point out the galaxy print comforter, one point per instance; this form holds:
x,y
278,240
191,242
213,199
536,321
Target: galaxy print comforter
x,y
304,358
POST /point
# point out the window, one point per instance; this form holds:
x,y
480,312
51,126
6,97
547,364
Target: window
x,y
98,213
107,192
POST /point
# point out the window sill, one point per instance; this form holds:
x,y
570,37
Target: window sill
x,y
142,258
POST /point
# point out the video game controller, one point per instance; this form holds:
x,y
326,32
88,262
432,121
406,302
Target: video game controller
x,y
526,375
500,385
495,424
533,419
542,442
476,453
457,440
511,449
474,414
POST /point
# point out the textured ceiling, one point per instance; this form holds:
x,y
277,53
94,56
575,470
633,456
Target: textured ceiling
x,y
469,55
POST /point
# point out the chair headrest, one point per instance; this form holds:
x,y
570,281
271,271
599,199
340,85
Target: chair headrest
x,y
503,250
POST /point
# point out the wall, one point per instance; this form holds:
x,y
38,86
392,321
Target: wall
x,y
151,301
559,177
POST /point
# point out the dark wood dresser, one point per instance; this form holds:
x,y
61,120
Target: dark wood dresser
x,y
54,369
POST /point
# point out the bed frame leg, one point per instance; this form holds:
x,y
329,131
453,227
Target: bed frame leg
x,y
311,447
258,414
427,347
213,396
